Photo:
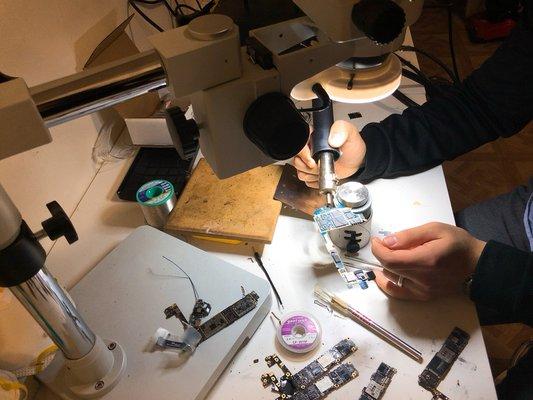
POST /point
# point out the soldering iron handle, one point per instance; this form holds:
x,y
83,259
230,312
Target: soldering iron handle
x,y
322,121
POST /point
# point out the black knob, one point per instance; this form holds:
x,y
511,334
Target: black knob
x,y
353,246
59,224
380,20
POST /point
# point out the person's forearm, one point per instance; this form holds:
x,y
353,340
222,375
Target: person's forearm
x,y
495,101
503,282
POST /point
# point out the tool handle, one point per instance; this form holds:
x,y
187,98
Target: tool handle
x,y
322,121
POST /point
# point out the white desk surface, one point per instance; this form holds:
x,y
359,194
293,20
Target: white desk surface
x,y
103,221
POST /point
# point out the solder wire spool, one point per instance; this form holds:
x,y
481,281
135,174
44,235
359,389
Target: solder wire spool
x,y
157,199
299,332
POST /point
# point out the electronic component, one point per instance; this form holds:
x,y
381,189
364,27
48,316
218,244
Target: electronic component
x,y
302,383
323,363
167,341
274,359
228,316
349,277
379,382
440,364
270,379
360,277
327,384
174,311
328,219
200,310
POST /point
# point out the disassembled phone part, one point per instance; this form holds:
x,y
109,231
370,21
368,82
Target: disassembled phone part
x,y
195,333
440,364
336,378
349,277
318,368
313,381
379,382
228,316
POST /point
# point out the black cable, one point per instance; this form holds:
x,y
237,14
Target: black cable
x,y
432,58
260,263
450,42
404,99
415,69
145,17
416,78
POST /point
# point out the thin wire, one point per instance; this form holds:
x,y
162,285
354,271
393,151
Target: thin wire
x,y
145,17
196,296
415,69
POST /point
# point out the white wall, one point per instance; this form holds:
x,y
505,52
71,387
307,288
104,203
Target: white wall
x,y
45,40
41,41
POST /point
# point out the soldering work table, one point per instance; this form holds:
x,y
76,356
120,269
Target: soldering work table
x,y
296,265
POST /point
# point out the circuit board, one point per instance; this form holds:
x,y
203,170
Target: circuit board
x,y
314,379
328,219
379,382
228,316
333,380
318,368
440,364
349,277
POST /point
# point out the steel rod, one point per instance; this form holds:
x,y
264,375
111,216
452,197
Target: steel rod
x,y
48,303
97,88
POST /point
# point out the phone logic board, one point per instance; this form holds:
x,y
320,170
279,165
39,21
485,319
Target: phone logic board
x,y
316,380
440,364
379,382
228,316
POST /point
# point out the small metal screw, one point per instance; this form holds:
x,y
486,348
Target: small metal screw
x,y
112,346
99,385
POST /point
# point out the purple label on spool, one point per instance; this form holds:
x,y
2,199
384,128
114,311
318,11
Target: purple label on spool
x,y
299,332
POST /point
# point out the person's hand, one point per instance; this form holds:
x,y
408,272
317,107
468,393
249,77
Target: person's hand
x,y
434,259
346,138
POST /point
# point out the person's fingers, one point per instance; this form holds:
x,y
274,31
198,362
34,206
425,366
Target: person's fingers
x,y
413,237
410,280
409,291
306,158
313,185
301,166
402,259
340,132
303,176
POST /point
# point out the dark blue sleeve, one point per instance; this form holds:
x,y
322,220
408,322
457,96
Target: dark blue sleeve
x,y
495,101
503,283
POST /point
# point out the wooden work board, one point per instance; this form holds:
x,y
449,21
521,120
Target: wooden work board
x,y
240,208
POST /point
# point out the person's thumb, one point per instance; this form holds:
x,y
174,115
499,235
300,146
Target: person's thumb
x,y
340,132
413,237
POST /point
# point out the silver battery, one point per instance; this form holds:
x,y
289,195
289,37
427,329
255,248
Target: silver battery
x,y
157,199
355,196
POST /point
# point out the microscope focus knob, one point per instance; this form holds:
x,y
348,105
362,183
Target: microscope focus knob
x,y
59,224
380,20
